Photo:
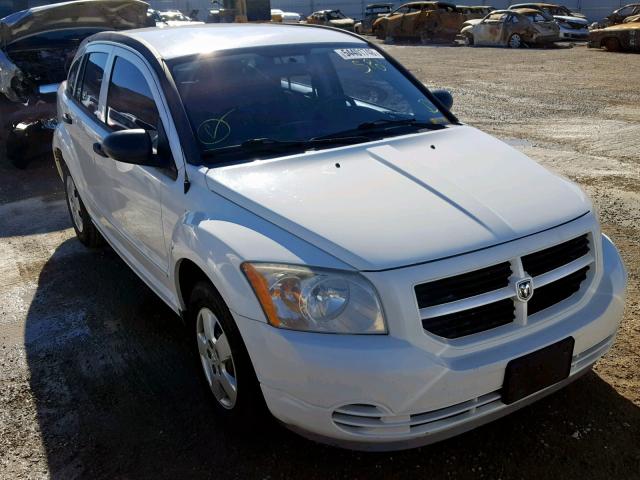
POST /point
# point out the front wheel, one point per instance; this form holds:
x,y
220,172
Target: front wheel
x,y
515,41
226,367
612,44
468,40
85,230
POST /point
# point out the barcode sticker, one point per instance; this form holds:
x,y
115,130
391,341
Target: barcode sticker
x,y
358,53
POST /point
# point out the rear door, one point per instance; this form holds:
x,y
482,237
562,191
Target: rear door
x,y
86,128
133,101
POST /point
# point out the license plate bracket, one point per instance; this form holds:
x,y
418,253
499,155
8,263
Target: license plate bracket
x,y
537,370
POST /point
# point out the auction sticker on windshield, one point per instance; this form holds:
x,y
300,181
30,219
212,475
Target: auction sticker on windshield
x,y
357,53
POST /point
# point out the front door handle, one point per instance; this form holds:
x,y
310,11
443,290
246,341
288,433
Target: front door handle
x,y
97,147
66,118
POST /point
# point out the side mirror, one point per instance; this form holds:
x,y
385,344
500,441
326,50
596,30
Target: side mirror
x,y
444,97
130,146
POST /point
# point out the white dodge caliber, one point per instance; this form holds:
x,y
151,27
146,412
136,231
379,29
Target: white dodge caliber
x,y
343,249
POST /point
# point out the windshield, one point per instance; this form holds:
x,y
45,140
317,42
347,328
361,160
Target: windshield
x,y
335,15
297,94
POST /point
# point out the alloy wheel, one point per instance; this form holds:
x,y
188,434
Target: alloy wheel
x,y
216,358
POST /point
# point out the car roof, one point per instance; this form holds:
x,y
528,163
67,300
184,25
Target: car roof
x,y
525,11
173,42
523,5
374,5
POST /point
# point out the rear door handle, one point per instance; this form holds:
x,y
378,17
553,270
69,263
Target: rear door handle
x,y
66,118
97,147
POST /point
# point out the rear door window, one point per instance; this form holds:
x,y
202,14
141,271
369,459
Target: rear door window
x,y
88,93
71,78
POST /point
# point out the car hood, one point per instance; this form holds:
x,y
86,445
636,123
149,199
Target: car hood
x,y
472,22
620,26
110,14
405,200
581,21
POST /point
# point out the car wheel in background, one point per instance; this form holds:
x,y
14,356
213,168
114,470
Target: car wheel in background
x,y
226,367
468,40
515,41
612,44
85,230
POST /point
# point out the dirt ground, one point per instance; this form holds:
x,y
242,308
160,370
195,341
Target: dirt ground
x,y
95,376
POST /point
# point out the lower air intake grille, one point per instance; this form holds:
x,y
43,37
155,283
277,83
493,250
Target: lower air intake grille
x,y
474,320
555,292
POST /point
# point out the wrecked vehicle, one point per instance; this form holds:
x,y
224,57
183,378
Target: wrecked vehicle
x,y
175,18
573,25
511,28
371,14
280,16
479,11
620,15
426,21
332,18
38,45
622,37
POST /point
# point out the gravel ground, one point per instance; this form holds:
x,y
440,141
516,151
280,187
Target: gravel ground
x,y
96,380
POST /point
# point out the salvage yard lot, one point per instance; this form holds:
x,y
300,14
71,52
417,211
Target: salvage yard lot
x,y
95,376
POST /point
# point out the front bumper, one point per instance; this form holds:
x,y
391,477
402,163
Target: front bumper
x,y
386,392
574,34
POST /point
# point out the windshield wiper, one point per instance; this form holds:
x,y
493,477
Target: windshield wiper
x,y
384,124
387,123
254,145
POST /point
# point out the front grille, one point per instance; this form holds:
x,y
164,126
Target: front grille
x,y
545,297
462,286
474,320
551,258
484,299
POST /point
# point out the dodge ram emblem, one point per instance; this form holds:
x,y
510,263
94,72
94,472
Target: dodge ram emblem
x,y
524,289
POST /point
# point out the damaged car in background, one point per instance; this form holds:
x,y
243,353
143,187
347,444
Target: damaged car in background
x,y
511,28
425,21
371,13
38,45
573,25
622,37
477,11
332,18
621,15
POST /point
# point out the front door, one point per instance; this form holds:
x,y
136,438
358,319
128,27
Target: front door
x,y
136,192
490,30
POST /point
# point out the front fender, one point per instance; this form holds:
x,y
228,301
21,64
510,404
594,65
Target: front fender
x,y
218,242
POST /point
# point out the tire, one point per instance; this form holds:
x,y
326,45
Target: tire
x,y
226,369
611,44
515,41
85,230
468,40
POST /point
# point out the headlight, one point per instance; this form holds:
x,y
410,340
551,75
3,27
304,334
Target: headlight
x,y
315,299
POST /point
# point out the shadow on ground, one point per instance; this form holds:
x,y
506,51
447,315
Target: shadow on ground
x,y
118,396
